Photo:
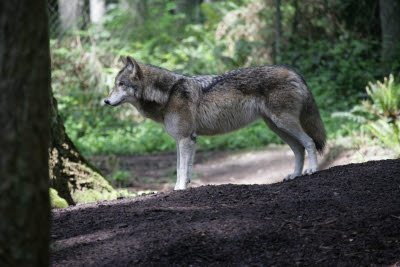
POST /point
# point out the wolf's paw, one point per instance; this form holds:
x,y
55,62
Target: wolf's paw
x,y
291,176
180,187
309,171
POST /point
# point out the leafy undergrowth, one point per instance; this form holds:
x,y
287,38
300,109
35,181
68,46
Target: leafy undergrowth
x,y
346,215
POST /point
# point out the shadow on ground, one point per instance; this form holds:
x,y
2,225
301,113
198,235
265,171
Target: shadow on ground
x,y
346,215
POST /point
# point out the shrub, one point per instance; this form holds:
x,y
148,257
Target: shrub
x,y
381,113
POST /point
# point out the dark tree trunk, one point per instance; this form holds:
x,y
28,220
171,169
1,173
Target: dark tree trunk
x,y
191,9
295,18
278,31
25,132
390,27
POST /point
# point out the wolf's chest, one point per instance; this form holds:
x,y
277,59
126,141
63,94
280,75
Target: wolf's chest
x,y
150,109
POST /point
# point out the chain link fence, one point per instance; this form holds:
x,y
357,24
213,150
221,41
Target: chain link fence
x,y
72,15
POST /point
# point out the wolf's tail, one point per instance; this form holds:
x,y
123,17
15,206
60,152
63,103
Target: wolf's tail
x,y
312,124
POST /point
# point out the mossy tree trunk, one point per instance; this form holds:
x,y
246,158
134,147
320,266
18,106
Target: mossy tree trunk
x,y
74,178
25,133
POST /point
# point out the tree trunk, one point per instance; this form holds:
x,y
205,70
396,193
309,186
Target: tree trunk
x,y
191,9
278,31
97,11
138,9
295,18
74,178
390,27
25,133
69,14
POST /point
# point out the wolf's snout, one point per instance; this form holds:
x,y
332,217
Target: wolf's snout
x,y
107,101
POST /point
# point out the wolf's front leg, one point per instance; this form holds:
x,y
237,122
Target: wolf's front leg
x,y
186,149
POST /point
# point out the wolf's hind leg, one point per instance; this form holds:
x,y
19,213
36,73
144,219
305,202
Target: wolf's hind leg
x,y
178,155
186,149
291,125
296,147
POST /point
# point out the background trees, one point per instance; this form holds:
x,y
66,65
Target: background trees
x,y
336,45
70,13
390,25
97,11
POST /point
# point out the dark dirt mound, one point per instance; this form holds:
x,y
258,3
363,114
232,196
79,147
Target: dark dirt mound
x,y
346,215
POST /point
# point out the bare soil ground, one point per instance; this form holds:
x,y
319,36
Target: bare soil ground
x,y
342,216
157,172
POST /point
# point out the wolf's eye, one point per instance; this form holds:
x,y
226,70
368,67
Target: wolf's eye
x,y
121,84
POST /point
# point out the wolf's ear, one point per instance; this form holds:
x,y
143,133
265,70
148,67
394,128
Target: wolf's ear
x,y
123,60
133,67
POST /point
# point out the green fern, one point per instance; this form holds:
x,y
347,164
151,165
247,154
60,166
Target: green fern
x,y
380,114
386,106
350,115
387,133
386,97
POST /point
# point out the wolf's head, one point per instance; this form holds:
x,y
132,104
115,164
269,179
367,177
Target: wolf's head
x,y
128,83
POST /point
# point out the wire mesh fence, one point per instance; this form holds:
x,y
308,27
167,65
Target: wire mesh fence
x,y
68,15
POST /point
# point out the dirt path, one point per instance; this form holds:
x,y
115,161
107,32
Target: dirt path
x,y
157,172
344,216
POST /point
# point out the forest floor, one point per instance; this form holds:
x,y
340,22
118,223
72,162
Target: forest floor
x,y
157,172
345,215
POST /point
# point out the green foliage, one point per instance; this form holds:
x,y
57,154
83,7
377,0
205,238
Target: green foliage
x,y
387,133
386,107
385,97
380,114
119,179
143,138
335,72
334,58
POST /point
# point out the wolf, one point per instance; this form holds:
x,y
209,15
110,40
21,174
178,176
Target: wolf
x,y
190,106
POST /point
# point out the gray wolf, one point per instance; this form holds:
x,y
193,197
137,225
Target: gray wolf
x,y
218,104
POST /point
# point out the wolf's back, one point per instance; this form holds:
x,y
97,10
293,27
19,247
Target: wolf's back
x,y
312,124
